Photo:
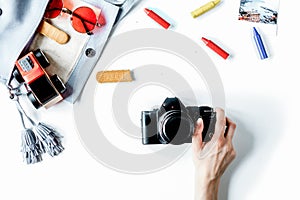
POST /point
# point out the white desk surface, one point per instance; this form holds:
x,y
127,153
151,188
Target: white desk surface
x,y
261,96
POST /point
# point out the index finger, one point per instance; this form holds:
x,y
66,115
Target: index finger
x,y
220,123
231,126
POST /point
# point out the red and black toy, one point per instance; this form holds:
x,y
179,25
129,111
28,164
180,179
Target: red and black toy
x,y
43,89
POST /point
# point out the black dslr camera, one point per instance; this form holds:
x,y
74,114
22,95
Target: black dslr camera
x,y
43,89
173,123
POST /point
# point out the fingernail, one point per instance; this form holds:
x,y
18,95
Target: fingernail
x,y
199,121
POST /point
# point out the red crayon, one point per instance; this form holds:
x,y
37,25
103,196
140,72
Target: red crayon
x,y
157,18
215,48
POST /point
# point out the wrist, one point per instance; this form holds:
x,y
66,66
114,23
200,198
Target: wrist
x,y
206,187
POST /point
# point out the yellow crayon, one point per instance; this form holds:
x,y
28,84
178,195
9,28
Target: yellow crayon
x,y
205,8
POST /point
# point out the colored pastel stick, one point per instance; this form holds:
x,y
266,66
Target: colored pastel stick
x,y
206,7
157,18
259,44
215,48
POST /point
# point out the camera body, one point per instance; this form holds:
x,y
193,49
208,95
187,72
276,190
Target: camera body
x,y
43,89
173,123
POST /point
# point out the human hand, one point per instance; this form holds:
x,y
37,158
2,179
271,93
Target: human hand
x,y
210,164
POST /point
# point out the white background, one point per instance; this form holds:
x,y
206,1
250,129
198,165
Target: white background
x,y
261,97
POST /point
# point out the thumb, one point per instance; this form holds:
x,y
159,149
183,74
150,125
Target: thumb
x,y
197,137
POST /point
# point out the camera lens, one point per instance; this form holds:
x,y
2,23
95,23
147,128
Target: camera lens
x,y
39,55
33,100
18,76
175,127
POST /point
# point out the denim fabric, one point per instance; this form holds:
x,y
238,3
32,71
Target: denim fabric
x,y
20,19
85,64
18,22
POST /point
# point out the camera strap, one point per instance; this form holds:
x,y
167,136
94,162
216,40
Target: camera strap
x,y
37,138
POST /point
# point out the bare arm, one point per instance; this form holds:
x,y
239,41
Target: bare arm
x,y
210,167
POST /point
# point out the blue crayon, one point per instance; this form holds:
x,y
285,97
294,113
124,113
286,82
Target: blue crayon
x,y
259,44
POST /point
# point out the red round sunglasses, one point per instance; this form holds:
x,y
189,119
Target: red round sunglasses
x,y
83,19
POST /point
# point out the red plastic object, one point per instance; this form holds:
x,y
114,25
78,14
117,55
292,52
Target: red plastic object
x,y
215,48
157,18
84,19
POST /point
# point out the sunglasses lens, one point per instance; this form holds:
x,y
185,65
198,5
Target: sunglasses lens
x,y
53,9
84,19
